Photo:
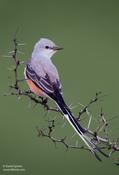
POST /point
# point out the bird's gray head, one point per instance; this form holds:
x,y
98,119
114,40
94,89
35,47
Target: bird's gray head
x,y
45,47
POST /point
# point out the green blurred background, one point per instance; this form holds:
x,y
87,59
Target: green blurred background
x,y
89,32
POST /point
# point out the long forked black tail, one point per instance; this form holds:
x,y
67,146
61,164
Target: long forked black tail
x,y
77,127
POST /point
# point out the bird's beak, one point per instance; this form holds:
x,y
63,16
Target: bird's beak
x,y
57,48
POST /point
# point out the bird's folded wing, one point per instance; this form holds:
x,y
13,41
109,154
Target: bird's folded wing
x,y
43,83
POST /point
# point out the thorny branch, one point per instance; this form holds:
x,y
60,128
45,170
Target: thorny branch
x,y
110,145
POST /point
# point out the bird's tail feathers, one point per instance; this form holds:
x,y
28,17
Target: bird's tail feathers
x,y
79,129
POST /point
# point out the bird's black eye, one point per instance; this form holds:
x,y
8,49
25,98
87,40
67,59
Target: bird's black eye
x,y
47,47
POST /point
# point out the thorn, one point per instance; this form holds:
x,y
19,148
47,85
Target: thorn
x,y
76,143
22,44
6,56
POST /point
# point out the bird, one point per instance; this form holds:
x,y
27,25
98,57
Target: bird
x,y
43,80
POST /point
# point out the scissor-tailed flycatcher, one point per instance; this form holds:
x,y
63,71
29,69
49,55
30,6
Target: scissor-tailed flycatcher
x,y
43,80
